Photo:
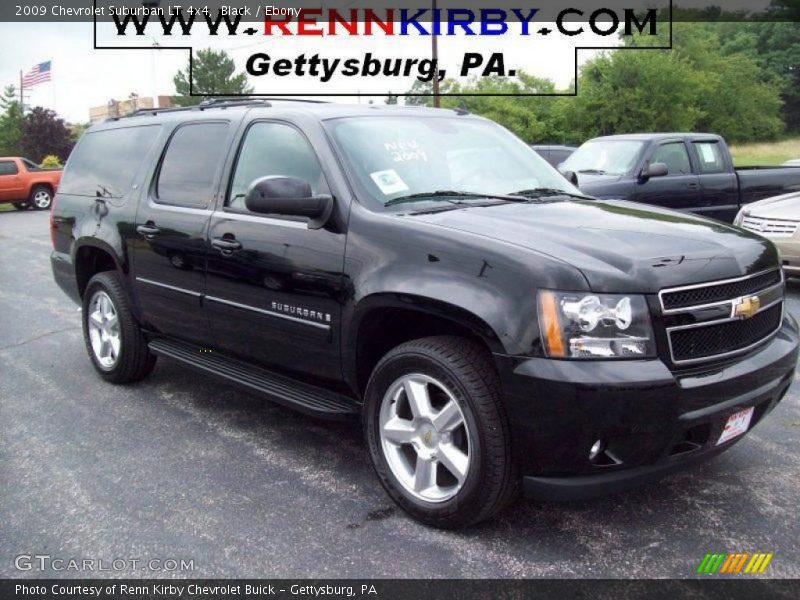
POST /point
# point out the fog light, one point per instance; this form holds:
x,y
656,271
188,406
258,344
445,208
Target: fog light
x,y
596,449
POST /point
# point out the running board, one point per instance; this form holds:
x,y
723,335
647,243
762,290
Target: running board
x,y
303,397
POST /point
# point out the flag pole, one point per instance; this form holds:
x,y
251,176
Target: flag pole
x,y
21,94
53,87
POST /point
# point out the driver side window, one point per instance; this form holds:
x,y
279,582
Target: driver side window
x,y
273,149
675,156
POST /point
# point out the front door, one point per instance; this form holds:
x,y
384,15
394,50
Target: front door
x,y
679,189
171,224
273,286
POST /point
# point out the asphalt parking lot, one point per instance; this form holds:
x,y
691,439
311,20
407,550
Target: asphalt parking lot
x,y
182,466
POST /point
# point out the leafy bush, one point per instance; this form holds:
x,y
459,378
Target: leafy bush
x,y
51,161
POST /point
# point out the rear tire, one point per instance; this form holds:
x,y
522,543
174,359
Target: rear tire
x,y
41,197
449,465
116,345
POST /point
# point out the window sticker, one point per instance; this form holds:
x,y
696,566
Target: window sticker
x,y
389,182
707,150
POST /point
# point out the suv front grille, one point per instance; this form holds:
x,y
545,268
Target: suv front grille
x,y
711,293
712,321
712,340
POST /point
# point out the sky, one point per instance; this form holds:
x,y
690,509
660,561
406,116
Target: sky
x,y
84,77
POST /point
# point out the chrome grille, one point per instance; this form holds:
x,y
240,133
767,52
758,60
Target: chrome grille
x,y
775,228
706,322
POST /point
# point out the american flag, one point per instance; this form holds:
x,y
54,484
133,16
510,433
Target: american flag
x,y
38,74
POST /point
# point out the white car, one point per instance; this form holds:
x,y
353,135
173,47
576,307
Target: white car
x,y
777,219
792,163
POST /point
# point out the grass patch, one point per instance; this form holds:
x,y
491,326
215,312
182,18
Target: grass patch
x,y
774,153
6,206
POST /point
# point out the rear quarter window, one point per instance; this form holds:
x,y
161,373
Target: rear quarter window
x,y
105,162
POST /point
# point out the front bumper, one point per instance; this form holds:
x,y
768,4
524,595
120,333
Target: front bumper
x,y
652,421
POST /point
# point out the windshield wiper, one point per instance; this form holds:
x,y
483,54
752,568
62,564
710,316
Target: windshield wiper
x,y
542,192
449,196
593,172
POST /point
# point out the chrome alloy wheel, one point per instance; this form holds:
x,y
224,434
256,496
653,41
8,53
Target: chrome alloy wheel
x,y
425,438
42,199
104,330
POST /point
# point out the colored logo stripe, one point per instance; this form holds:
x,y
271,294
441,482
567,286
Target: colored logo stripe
x,y
716,562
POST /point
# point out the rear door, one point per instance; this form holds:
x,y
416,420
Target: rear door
x,y
718,183
274,285
11,185
171,223
679,189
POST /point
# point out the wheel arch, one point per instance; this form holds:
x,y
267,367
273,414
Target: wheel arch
x,y
385,320
91,256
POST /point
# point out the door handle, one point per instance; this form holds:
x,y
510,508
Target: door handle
x,y
149,231
226,246
693,186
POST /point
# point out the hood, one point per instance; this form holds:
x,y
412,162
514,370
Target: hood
x,y
620,246
779,207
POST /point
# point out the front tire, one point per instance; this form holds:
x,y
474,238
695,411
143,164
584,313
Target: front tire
x,y
41,197
437,432
115,342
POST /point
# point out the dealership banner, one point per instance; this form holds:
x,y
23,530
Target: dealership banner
x,y
360,48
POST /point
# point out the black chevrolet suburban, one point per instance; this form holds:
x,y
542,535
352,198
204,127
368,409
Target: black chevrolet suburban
x,y
497,331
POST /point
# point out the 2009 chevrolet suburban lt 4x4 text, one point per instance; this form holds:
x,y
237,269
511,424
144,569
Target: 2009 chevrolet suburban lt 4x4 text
x,y
495,329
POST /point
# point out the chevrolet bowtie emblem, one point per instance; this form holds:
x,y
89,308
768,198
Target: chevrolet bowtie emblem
x,y
744,308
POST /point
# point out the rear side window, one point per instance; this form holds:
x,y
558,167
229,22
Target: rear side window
x,y
193,158
8,167
711,157
105,162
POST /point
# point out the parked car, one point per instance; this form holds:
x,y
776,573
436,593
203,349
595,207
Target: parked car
x,y
423,270
555,155
25,184
778,220
792,163
683,171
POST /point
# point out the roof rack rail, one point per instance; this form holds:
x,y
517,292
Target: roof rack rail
x,y
292,99
214,103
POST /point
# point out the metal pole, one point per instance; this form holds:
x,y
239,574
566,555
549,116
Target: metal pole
x,y
21,95
435,56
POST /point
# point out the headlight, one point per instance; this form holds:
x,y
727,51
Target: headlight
x,y
586,325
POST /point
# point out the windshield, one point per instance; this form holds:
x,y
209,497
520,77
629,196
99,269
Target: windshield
x,y
393,158
604,157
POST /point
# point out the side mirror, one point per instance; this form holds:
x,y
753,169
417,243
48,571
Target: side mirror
x,y
655,170
288,196
571,176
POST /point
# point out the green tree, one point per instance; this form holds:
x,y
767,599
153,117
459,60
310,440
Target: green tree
x,y
10,123
420,87
213,76
44,133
